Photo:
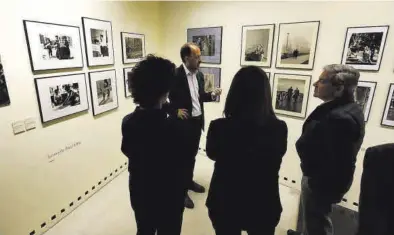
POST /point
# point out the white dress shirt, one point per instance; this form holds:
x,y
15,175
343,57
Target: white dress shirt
x,y
193,86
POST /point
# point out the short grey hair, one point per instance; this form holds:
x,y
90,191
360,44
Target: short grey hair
x,y
340,74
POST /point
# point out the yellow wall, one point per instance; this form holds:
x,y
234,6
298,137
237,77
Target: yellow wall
x,y
32,189
334,18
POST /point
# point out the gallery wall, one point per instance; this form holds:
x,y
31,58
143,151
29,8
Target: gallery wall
x,y
334,19
48,171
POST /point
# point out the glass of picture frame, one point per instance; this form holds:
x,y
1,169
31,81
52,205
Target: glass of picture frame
x,y
133,47
209,40
98,41
126,72
388,114
53,46
61,96
297,45
103,90
364,95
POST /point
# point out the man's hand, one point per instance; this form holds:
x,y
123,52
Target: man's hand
x,y
182,114
217,92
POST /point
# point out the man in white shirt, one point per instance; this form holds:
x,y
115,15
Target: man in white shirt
x,y
186,104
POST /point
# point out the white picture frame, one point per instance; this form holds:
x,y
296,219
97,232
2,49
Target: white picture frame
x,y
257,45
364,95
133,47
284,98
127,93
388,114
98,42
103,89
297,45
361,51
61,96
53,46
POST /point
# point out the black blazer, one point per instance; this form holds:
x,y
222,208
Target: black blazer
x,y
377,192
156,165
331,138
180,96
248,156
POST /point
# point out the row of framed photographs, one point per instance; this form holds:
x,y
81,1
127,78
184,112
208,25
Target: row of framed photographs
x,y
61,96
296,45
290,94
55,46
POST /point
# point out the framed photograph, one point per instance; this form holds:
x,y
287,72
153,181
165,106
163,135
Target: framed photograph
x,y
61,96
364,95
257,45
53,46
98,41
133,47
4,97
297,45
126,72
388,115
211,79
364,47
290,94
209,40
103,90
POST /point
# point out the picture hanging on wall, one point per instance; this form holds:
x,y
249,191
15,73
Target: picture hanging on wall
x,y
98,41
209,40
53,46
297,45
388,115
211,79
364,95
61,96
133,47
4,97
126,72
364,47
103,90
257,45
290,94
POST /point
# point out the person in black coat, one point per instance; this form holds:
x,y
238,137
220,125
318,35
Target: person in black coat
x,y
186,106
331,139
247,145
157,176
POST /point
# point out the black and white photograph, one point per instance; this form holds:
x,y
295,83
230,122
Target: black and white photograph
x,y
290,94
126,72
209,40
364,47
4,96
53,46
297,45
364,95
133,47
103,90
98,41
211,79
257,45
388,115
61,96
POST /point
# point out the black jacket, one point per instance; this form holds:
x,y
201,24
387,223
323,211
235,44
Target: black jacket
x,y
377,192
180,96
248,155
156,165
331,138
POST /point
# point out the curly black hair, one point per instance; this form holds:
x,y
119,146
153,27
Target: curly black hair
x,y
150,79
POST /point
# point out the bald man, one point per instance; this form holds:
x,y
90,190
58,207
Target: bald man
x,y
186,105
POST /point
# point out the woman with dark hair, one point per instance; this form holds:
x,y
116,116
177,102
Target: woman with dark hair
x,y
247,146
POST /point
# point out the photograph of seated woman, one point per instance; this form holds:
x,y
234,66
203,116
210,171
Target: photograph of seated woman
x,y
247,145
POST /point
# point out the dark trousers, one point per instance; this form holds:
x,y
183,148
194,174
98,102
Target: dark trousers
x,y
192,129
316,212
148,223
229,231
